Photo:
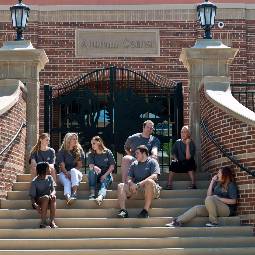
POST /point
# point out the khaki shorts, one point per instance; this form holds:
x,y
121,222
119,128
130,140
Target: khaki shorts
x,y
141,191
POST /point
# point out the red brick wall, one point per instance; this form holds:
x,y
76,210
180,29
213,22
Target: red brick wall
x,y
236,137
58,40
12,161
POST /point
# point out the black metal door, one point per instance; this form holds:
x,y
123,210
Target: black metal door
x,y
113,103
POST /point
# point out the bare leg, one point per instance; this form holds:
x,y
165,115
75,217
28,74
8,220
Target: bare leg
x,y
44,202
149,189
122,195
52,212
192,177
170,178
125,164
75,188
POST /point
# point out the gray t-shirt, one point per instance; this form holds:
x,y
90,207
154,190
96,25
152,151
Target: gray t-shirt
x,y
179,150
68,158
44,156
141,170
103,160
136,140
40,187
230,193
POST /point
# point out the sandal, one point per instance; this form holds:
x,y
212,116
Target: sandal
x,y
169,187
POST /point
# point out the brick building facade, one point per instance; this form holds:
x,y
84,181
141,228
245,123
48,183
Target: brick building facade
x,y
53,24
53,28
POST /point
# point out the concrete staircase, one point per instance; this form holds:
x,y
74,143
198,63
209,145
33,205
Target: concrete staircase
x,y
86,228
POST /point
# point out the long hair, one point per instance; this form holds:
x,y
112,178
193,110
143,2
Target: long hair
x,y
77,149
37,147
227,175
100,145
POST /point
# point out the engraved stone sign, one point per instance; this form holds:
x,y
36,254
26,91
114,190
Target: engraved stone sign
x,y
117,43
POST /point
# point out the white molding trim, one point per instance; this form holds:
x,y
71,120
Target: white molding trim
x,y
129,7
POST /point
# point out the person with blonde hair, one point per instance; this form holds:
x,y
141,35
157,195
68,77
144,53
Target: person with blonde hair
x,y
183,153
70,153
101,164
41,152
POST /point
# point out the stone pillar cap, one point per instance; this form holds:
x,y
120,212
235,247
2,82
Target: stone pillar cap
x,y
17,45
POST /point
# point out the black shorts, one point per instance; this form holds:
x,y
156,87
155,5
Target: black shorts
x,y
183,166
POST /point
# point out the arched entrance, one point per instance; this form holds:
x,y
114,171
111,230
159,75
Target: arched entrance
x,y
113,103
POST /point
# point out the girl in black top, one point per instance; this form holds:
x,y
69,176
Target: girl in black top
x,y
183,153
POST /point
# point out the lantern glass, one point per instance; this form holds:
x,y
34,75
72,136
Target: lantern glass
x,y
19,15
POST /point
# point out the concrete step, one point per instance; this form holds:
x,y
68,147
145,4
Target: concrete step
x,y
124,243
88,213
146,232
111,222
112,194
109,203
162,251
117,177
23,186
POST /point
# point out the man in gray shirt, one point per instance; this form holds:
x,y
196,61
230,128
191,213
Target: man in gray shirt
x,y
142,177
145,138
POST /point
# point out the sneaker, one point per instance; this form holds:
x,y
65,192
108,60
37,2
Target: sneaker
x,y
192,186
92,197
123,213
74,195
211,224
143,214
99,199
169,187
174,223
53,225
44,225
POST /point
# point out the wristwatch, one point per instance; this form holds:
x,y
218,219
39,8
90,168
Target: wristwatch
x,y
138,185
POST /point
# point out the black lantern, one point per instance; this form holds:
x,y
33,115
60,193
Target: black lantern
x,y
19,15
206,15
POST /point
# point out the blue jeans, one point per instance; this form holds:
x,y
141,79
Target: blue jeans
x,y
94,180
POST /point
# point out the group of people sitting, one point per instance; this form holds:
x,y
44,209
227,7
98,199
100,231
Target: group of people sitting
x,y
139,169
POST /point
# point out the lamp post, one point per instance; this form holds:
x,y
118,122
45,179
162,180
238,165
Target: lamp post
x,y
206,15
19,15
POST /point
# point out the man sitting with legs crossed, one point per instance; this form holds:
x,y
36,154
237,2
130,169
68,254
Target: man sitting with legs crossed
x,y
142,177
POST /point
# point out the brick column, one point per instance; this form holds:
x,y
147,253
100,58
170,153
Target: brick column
x,y
206,58
20,60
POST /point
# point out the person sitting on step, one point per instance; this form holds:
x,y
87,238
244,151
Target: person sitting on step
x,y
101,164
43,194
70,152
220,201
142,177
145,138
183,153
41,152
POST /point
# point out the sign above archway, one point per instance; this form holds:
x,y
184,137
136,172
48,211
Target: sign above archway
x,y
117,43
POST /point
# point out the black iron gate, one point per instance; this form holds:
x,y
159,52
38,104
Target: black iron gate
x,y
113,103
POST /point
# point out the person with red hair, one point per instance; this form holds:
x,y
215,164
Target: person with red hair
x,y
221,201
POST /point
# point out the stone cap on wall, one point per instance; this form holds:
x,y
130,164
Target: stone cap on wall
x,y
9,93
217,90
